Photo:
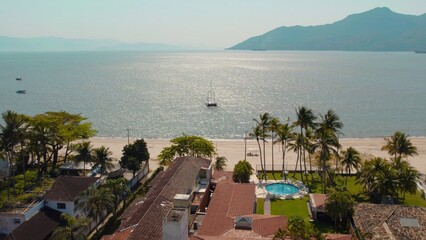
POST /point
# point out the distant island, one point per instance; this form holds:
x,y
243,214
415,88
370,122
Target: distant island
x,y
379,29
16,44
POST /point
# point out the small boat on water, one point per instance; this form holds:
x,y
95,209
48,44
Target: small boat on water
x,y
21,91
18,79
420,51
211,101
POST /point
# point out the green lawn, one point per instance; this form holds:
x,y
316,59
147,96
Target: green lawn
x,y
315,185
260,205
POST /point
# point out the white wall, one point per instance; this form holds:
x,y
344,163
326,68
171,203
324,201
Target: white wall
x,y
69,206
7,221
176,230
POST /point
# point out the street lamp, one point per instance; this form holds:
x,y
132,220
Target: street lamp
x,y
128,136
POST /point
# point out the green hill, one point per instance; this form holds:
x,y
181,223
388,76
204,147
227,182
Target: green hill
x,y
379,29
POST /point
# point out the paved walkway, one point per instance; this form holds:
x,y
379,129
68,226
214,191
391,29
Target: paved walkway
x,y
267,205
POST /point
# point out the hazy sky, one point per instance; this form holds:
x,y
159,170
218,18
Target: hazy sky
x,y
190,23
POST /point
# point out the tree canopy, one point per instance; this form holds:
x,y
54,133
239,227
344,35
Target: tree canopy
x,y
186,146
134,154
242,172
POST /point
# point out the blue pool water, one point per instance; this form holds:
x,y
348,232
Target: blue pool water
x,y
282,188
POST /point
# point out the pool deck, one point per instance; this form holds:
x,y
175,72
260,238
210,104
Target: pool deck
x,y
262,193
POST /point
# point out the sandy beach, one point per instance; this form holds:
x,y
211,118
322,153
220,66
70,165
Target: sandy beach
x,y
233,150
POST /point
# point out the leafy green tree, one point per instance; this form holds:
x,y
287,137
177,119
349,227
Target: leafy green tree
x,y
133,155
296,146
284,134
12,138
339,206
84,153
186,146
298,229
351,159
220,163
242,172
96,202
399,145
407,179
103,159
72,229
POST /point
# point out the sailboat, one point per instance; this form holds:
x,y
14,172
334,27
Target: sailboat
x,y
211,101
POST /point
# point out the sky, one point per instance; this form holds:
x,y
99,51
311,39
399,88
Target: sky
x,y
209,24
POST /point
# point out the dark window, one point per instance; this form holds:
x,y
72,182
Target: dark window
x,y
60,206
17,221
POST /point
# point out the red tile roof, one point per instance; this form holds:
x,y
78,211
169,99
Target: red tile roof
x,y
145,215
66,188
230,200
223,176
318,199
332,236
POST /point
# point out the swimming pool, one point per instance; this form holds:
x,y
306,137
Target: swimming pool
x,y
282,188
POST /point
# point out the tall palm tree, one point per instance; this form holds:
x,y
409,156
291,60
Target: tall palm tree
x,y
331,121
96,202
257,133
309,139
351,159
305,119
103,159
263,122
220,163
284,134
327,144
408,177
72,230
399,145
84,154
296,145
274,125
339,206
119,189
369,171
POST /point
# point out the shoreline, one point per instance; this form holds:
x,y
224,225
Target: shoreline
x,y
233,149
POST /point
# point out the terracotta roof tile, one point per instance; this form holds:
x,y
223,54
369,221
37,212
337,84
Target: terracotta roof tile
x,y
146,214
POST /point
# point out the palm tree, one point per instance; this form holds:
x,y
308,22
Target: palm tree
x,y
284,134
309,139
265,119
220,163
339,206
274,125
72,229
408,177
399,145
84,153
327,144
331,121
119,189
103,159
296,146
96,202
305,119
257,133
11,136
369,171
351,159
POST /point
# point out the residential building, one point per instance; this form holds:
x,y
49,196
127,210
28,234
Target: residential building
x,y
145,217
63,195
389,222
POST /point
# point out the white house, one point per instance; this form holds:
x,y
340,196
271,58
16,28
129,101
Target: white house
x,y
62,196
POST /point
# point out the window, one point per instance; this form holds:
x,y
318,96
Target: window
x,y
16,220
60,206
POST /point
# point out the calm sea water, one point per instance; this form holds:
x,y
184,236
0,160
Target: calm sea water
x,y
161,95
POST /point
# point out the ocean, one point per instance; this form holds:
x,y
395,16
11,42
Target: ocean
x,y
159,95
